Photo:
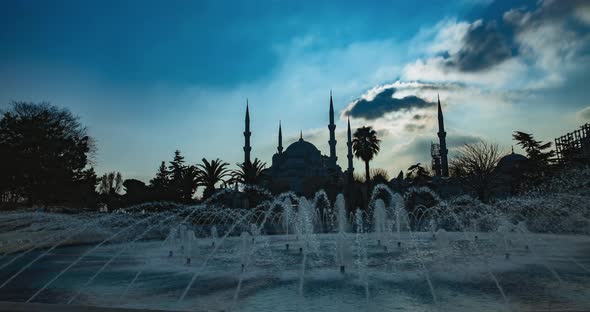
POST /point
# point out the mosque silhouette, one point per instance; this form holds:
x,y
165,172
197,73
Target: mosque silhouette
x,y
302,161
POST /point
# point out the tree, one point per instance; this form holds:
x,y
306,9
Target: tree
x,y
83,193
379,176
210,173
538,157
111,183
189,183
110,187
249,173
177,182
182,179
136,192
418,173
475,164
45,152
160,184
365,145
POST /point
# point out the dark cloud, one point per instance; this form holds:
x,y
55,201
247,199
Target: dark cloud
x,y
384,103
412,127
484,46
550,12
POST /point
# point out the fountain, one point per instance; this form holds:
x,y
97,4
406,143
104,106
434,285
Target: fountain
x,y
292,252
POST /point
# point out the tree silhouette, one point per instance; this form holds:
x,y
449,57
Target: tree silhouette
x,y
45,151
176,168
379,176
111,183
249,173
210,173
83,191
475,164
535,149
110,187
135,192
189,183
182,182
365,145
418,173
160,184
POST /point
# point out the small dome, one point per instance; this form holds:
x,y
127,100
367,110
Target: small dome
x,y
511,161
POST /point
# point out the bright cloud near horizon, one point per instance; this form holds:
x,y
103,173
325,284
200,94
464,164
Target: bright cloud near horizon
x,y
150,77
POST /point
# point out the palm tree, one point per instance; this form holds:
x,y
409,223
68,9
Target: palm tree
x,y
189,183
210,173
249,173
365,145
379,176
110,187
111,183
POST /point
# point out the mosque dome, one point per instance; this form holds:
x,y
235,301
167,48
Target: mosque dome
x,y
301,148
511,161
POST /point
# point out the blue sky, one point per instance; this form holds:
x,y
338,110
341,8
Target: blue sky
x,y
149,77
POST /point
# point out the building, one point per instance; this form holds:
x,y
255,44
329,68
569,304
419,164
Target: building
x,y
302,162
439,152
512,163
436,159
574,146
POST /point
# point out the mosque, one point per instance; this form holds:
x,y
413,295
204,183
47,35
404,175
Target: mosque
x,y
302,164
302,161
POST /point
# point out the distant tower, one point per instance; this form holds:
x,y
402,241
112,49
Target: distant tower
x,y
280,147
332,128
247,133
349,145
442,136
435,153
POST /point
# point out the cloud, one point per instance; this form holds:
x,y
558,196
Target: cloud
x,y
550,11
412,127
527,49
584,114
483,46
553,39
384,102
391,98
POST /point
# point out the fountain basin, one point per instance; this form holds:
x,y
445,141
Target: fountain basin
x,y
271,276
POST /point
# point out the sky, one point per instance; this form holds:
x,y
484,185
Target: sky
x,y
150,77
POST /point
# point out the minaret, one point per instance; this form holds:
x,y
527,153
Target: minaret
x,y
442,136
332,128
280,147
247,133
349,144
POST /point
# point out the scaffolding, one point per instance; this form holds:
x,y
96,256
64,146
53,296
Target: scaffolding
x,y
574,146
436,158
